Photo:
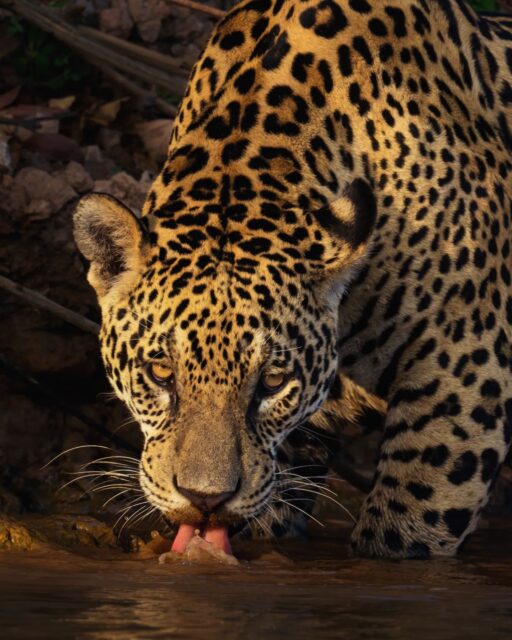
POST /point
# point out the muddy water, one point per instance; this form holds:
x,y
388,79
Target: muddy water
x,y
311,591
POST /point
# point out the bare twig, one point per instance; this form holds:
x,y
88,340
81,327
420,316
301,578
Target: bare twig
x,y
198,6
42,302
31,123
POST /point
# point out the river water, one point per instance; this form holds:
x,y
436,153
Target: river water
x,y
294,590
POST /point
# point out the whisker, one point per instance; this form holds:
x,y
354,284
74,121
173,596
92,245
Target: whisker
x,y
302,466
327,497
82,446
315,485
120,493
308,515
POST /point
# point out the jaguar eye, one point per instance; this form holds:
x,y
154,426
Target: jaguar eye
x,y
272,382
160,374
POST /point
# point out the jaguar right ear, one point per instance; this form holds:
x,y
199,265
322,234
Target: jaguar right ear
x,y
113,239
346,225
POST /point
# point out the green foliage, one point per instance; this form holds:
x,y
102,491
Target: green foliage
x,y
484,5
169,97
42,61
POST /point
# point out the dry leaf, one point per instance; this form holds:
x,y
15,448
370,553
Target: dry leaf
x,y
7,98
62,103
106,113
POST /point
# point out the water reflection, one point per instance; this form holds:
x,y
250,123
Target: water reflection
x,y
321,594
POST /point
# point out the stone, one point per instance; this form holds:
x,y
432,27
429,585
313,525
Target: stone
x,y
78,178
41,192
5,157
14,536
147,15
116,20
125,188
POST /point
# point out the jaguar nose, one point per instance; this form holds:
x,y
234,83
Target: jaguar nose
x,y
206,502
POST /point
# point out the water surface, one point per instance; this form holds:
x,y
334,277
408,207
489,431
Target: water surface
x,y
315,592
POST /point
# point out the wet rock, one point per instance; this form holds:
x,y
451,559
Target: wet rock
x,y
71,530
156,546
61,530
14,536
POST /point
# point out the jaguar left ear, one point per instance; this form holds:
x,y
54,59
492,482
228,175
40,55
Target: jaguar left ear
x,y
113,239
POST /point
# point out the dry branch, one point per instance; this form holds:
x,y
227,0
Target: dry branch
x,y
48,20
198,6
42,302
154,58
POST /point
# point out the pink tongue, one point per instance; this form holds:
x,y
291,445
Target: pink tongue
x,y
183,537
217,536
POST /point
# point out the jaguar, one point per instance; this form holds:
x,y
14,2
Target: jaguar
x,y
326,247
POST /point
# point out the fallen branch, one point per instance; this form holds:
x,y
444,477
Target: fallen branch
x,y
32,123
42,302
154,58
48,20
197,6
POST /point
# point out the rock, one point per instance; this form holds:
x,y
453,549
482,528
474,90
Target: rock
x,y
116,20
125,188
5,157
39,209
41,193
54,146
78,178
109,138
96,165
75,530
61,530
14,536
147,15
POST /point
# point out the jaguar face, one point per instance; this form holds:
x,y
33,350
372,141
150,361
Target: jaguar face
x,y
217,360
216,386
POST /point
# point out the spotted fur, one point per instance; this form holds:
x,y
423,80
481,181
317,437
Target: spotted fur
x,y
335,209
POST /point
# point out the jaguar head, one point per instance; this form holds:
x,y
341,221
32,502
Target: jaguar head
x,y
220,343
